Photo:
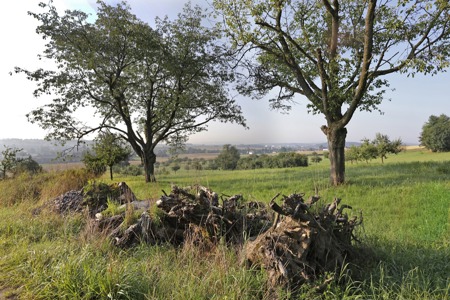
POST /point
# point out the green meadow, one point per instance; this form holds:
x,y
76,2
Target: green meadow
x,y
404,239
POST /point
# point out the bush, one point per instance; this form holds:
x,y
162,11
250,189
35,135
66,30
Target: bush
x,y
94,164
316,159
28,165
130,170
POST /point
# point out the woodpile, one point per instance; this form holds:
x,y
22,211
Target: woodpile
x,y
295,241
194,214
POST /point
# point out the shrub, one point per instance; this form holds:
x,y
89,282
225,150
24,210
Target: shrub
x,y
130,170
28,165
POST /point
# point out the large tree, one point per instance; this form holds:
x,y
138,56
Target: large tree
x,y
150,85
335,53
435,133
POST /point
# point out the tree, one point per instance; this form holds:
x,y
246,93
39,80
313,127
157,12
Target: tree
x,y
435,134
228,158
109,150
353,154
175,167
9,161
149,85
385,146
28,165
335,53
367,151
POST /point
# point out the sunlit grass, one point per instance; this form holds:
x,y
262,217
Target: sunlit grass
x,y
405,204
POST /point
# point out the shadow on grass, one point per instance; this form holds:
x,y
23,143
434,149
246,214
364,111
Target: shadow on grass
x,y
403,271
398,173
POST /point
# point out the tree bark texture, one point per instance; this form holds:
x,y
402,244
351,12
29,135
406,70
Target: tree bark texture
x,y
149,160
336,147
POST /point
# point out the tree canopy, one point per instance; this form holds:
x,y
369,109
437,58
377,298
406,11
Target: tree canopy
x,y
228,158
335,53
149,85
435,133
109,150
385,146
380,147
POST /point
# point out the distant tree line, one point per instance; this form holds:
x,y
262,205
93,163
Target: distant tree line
x,y
230,159
280,160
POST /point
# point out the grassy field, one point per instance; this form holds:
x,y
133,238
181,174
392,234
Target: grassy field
x,y
405,203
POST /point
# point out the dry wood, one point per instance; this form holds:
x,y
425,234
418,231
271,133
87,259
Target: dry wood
x,y
293,241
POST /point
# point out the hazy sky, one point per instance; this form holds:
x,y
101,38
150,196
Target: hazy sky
x,y
412,102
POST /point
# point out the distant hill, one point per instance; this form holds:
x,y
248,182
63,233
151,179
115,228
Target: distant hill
x,y
44,151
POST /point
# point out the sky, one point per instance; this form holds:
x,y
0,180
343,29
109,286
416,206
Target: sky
x,y
405,110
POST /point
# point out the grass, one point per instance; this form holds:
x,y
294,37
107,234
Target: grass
x,y
405,203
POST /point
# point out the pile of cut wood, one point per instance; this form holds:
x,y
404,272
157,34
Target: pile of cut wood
x,y
194,214
295,241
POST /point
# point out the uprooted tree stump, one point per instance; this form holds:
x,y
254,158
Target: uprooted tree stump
x,y
303,243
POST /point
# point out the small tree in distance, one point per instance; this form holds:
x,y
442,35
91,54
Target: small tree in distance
x,y
93,164
367,151
385,146
353,154
436,134
315,158
380,147
176,167
109,150
228,158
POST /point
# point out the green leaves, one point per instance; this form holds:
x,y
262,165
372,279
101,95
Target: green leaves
x,y
148,84
435,133
109,150
359,42
9,161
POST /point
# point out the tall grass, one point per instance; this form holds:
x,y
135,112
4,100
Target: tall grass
x,y
30,188
405,237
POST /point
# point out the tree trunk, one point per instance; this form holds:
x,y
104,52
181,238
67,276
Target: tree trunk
x,y
336,147
111,172
149,160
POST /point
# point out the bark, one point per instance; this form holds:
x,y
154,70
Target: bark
x,y
336,146
149,160
111,172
